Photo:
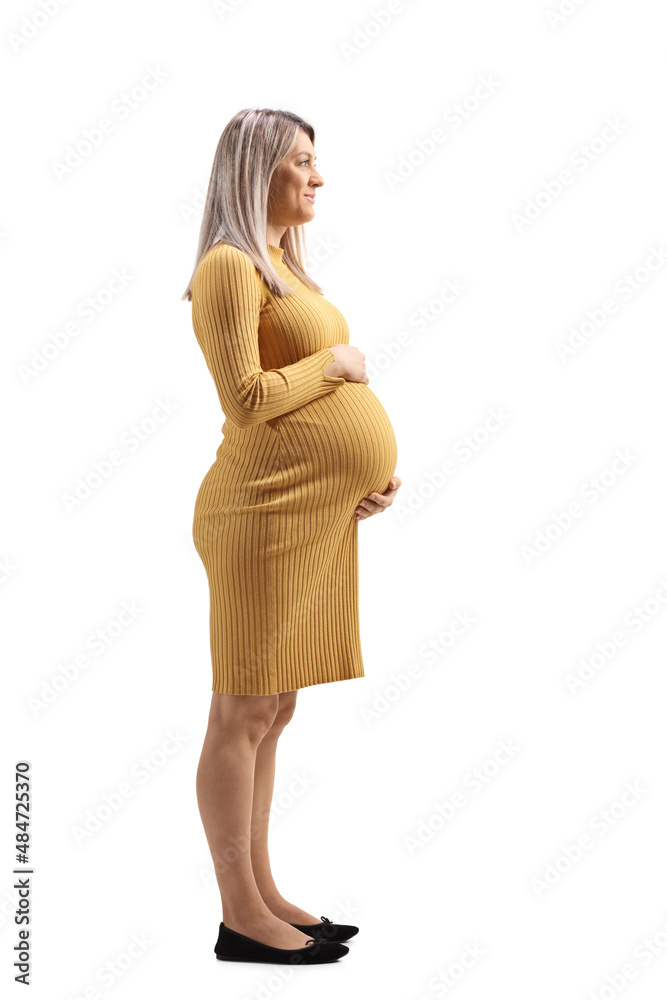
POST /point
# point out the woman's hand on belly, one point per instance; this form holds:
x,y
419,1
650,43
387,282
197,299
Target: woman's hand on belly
x,y
350,364
376,502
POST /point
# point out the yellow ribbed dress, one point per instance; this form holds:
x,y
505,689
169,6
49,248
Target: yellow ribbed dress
x,y
274,516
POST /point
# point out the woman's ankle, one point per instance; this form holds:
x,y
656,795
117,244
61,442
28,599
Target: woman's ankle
x,y
246,916
256,926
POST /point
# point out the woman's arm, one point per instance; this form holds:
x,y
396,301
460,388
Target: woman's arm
x,y
226,302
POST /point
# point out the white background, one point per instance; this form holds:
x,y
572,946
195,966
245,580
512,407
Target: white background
x,y
346,847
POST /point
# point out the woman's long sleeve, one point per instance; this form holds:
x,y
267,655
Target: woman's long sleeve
x,y
227,299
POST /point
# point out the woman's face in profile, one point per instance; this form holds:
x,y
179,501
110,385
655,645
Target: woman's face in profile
x,y
293,186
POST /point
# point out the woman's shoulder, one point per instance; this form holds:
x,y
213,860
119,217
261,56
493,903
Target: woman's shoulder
x,y
223,258
222,251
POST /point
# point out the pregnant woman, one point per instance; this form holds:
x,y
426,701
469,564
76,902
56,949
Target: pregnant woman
x,y
308,451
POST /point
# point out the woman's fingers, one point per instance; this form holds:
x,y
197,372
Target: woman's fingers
x,y
374,503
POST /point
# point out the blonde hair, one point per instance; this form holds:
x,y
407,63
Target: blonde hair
x,y
249,150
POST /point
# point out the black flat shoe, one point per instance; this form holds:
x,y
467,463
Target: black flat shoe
x,y
328,931
234,947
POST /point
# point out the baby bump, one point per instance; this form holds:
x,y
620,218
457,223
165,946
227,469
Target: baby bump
x,y
342,442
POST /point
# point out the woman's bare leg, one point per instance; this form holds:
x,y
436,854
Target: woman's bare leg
x,y
225,777
265,769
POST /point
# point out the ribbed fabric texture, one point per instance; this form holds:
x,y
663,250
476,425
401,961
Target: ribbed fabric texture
x,y
274,516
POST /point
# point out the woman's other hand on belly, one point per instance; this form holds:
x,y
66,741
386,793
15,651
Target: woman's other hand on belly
x,y
375,503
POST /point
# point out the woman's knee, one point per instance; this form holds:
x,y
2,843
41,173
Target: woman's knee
x,y
249,715
286,706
